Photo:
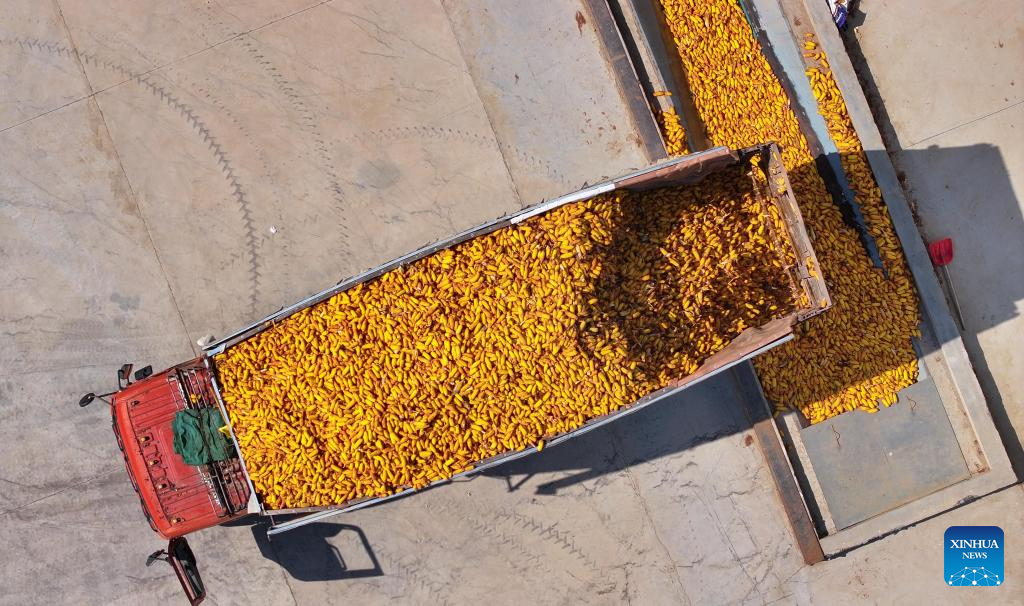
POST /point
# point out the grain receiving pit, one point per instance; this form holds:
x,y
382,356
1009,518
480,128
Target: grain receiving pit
x,y
876,351
523,332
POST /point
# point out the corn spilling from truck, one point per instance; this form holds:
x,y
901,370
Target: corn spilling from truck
x,y
675,136
504,340
860,353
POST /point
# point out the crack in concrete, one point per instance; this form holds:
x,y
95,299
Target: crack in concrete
x,y
61,491
647,513
953,128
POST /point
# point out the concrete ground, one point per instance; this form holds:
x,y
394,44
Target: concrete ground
x,y
170,172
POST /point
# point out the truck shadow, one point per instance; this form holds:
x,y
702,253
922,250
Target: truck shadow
x,y
709,411
308,554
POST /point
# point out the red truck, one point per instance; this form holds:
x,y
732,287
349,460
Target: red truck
x,y
178,498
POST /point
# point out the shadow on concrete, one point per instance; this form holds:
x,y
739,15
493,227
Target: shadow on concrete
x,y
309,553
986,228
988,231
706,412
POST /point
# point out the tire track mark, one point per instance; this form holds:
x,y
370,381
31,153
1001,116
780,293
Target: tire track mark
x,y
448,134
525,555
409,568
198,125
211,98
466,511
308,123
562,539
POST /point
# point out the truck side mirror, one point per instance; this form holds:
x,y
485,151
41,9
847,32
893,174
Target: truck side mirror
x,y
143,372
179,555
89,397
124,375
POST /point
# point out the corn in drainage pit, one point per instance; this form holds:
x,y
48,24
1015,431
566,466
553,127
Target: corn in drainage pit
x,y
859,354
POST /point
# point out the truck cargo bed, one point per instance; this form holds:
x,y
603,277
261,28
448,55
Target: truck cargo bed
x,y
805,279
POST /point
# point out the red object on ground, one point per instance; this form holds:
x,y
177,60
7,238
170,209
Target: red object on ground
x,y
941,252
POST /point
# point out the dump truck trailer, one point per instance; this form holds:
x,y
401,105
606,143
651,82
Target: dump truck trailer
x,y
179,498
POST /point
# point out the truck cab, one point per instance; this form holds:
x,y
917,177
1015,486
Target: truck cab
x,y
176,498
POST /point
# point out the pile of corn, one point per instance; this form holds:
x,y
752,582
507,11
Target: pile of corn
x,y
502,341
675,135
858,354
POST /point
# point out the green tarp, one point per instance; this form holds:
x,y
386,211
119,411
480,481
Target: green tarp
x,y
197,437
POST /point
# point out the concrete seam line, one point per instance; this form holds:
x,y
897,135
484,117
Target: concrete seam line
x,y
62,490
487,114
967,123
124,173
